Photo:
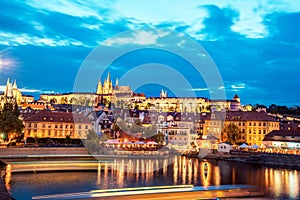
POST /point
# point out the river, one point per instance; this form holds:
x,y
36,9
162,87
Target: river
x,y
278,183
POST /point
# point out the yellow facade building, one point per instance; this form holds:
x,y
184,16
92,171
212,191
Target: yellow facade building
x,y
253,126
46,124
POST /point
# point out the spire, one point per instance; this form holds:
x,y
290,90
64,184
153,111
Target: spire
x,y
108,77
15,84
117,82
8,89
99,88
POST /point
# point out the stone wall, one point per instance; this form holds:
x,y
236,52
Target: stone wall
x,y
43,151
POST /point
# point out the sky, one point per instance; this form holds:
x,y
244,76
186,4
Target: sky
x,y
253,45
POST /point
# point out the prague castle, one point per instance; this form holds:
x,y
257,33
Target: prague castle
x,y
107,94
11,94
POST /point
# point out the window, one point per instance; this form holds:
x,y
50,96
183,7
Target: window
x,y
79,126
49,125
66,125
56,126
43,125
35,125
49,133
61,126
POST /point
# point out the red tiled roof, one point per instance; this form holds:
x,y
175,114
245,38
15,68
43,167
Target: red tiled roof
x,y
240,116
62,117
283,135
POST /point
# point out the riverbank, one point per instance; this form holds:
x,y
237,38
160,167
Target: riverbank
x,y
4,195
264,159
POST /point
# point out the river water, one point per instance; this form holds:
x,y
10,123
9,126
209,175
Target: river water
x,y
278,183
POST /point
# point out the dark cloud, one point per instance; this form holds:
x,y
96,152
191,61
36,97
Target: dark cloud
x,y
284,26
14,17
218,23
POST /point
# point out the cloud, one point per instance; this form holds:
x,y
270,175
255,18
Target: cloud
x,y
139,37
200,89
248,40
239,86
10,39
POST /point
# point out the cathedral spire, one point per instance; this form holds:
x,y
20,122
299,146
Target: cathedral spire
x,y
108,77
99,88
15,84
8,89
117,82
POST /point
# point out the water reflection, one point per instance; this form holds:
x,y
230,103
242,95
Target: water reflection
x,y
119,173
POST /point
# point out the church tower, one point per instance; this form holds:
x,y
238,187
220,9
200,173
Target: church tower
x,y
107,86
117,83
16,93
8,89
237,98
99,88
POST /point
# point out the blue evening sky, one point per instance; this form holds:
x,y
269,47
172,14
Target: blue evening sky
x,y
255,44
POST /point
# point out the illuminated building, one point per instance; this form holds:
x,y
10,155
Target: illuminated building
x,y
179,131
253,125
46,124
11,94
105,93
283,139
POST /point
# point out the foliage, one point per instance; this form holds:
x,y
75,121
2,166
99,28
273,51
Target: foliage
x,y
159,138
9,120
92,142
279,109
230,133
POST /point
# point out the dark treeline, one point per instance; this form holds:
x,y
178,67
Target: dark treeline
x,y
278,109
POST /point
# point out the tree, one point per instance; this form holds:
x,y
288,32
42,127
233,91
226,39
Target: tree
x,y
159,138
230,133
92,142
9,120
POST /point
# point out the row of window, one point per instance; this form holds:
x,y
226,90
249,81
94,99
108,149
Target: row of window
x,y
216,123
171,138
66,126
177,132
53,133
255,138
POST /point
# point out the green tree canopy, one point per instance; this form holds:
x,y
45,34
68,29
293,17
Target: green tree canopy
x,y
9,120
230,133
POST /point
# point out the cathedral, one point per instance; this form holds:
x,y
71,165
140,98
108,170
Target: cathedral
x,y
11,94
107,87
